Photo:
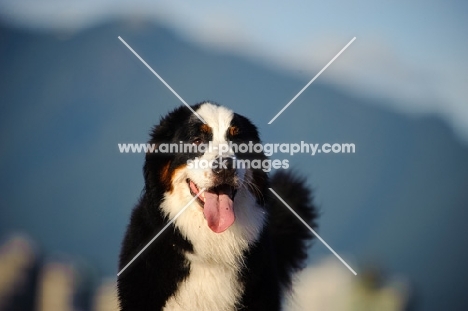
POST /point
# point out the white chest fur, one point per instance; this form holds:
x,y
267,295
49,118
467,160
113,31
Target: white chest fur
x,y
209,286
213,281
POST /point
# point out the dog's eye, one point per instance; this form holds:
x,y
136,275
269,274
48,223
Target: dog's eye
x,y
197,141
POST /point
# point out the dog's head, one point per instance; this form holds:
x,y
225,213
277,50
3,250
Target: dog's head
x,y
211,160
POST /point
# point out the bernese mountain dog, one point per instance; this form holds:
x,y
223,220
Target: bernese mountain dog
x,y
235,247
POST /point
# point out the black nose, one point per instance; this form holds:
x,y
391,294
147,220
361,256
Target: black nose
x,y
223,165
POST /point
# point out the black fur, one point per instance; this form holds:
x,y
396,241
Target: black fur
x,y
149,282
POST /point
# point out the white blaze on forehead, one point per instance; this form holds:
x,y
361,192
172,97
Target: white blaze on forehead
x,y
218,118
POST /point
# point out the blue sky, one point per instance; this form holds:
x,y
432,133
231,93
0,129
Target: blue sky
x,y
412,53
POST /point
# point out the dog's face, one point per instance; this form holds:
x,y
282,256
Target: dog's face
x,y
232,190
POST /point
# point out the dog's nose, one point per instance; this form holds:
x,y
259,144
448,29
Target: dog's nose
x,y
224,165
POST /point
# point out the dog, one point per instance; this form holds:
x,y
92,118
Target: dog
x,y
235,247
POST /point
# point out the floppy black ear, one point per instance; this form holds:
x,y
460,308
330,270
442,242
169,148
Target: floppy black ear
x,y
170,127
245,129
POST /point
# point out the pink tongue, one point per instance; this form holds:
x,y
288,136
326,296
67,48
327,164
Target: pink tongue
x,y
218,210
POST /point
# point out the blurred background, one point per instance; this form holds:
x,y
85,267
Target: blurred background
x,y
395,210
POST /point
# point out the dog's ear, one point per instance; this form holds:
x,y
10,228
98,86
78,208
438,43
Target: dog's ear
x,y
242,128
157,168
169,128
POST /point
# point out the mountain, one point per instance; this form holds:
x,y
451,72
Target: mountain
x,y
68,99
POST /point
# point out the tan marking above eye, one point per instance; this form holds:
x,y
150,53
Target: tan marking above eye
x,y
205,128
233,130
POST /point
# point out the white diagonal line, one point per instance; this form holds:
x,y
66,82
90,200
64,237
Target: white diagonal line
x,y
161,79
310,82
313,231
162,230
